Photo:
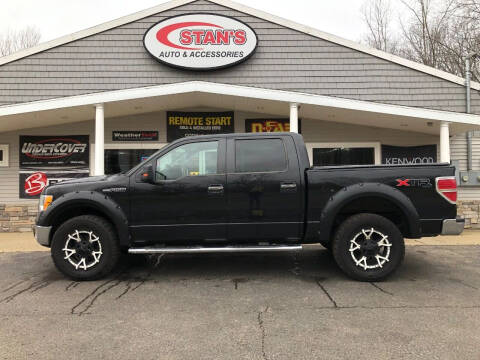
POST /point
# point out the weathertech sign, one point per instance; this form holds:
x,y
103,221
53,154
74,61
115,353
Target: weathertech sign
x,y
200,41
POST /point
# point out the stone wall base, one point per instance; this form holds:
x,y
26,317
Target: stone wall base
x,y
470,210
17,217
21,218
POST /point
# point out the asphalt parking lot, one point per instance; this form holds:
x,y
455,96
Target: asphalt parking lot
x,y
243,306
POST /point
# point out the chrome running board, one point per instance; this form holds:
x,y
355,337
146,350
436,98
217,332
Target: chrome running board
x,y
206,250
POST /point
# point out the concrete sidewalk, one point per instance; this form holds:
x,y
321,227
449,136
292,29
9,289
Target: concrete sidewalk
x,y
25,242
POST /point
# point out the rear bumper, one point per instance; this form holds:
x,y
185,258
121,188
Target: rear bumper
x,y
453,226
42,234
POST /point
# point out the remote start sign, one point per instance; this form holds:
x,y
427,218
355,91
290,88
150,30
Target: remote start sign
x,y
200,41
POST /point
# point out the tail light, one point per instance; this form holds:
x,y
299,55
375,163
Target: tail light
x,y
447,187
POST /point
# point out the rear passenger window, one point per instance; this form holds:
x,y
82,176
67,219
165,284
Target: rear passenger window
x,y
260,155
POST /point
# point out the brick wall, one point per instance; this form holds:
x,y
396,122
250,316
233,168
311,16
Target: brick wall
x,y
20,218
17,218
470,210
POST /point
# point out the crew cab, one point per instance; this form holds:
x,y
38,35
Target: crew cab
x,y
250,193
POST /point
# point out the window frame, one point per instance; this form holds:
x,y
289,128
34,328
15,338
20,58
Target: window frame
x,y
220,168
6,155
376,145
234,149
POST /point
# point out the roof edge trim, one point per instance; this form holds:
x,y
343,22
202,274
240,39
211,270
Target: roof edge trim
x,y
248,10
240,91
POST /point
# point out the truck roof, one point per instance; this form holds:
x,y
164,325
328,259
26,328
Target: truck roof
x,y
231,135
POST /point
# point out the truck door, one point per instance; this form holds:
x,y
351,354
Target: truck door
x,y
187,200
264,191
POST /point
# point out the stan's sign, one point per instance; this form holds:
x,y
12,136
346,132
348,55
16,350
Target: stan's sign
x,y
200,41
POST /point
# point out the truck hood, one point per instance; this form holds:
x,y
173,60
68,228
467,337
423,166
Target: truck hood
x,y
86,180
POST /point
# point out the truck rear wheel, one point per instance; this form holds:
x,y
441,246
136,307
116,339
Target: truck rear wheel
x,y
368,247
85,248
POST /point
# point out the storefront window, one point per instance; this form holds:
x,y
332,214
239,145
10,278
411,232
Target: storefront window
x,y
3,155
121,160
343,156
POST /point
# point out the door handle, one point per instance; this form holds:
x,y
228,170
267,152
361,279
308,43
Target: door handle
x,y
288,187
215,189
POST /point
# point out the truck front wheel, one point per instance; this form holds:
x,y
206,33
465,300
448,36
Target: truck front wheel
x,y
368,247
85,248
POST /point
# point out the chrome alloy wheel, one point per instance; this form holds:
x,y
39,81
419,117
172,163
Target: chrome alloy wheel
x,y
82,249
370,249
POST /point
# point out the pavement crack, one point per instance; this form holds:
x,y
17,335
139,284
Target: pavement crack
x,y
97,295
128,287
406,307
40,286
327,293
296,265
13,285
238,281
157,257
72,285
261,325
37,285
464,284
142,280
381,289
89,295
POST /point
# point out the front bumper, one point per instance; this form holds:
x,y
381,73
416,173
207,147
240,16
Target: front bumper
x,y
42,234
453,226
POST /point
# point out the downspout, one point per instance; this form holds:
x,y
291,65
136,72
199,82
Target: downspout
x,y
468,110
468,76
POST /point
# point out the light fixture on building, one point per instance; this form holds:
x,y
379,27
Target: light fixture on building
x,y
430,124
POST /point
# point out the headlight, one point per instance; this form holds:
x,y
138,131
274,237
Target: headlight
x,y
44,202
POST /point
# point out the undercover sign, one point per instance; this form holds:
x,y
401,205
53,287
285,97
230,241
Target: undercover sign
x,y
200,41
408,155
54,151
182,124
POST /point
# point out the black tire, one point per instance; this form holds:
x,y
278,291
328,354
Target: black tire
x,y
351,230
86,227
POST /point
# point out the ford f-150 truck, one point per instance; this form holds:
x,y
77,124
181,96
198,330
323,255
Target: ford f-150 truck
x,y
251,193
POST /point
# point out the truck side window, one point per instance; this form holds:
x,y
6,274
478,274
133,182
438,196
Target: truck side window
x,y
260,155
193,159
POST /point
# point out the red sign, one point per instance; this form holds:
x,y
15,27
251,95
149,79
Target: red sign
x,y
35,183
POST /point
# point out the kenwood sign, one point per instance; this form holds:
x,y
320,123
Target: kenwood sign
x,y
200,41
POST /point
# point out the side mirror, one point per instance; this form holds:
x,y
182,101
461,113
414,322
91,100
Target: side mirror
x,y
146,175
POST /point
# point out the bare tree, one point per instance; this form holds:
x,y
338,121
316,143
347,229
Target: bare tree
x,y
377,15
438,33
426,30
13,41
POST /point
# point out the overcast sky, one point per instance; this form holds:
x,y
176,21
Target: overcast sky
x,y
55,18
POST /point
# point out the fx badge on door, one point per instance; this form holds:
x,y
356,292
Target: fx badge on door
x,y
423,183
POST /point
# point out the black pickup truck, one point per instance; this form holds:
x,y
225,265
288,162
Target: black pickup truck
x,y
251,193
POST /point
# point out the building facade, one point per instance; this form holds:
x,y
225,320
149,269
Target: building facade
x,y
101,100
